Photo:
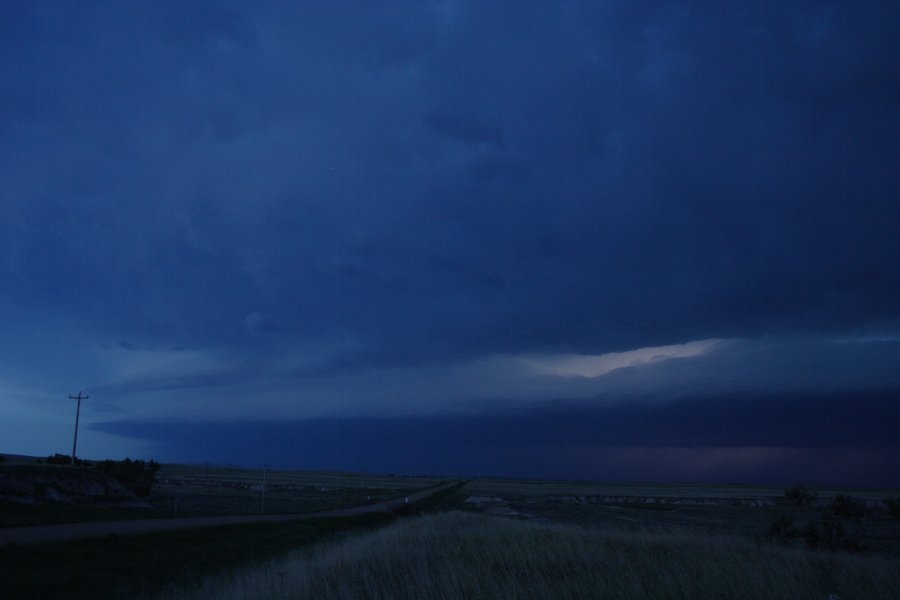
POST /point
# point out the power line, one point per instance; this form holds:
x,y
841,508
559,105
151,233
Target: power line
x,y
15,389
127,414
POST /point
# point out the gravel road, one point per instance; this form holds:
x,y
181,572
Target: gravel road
x,y
54,533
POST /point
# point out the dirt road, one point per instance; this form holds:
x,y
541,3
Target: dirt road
x,y
53,533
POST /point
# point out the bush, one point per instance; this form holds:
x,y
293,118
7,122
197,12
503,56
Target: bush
x,y
848,507
799,495
782,530
136,475
893,507
830,534
59,459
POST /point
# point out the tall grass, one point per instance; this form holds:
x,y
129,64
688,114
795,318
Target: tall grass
x,y
459,555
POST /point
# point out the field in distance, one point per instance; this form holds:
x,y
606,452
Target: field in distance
x,y
527,487
736,509
201,489
185,491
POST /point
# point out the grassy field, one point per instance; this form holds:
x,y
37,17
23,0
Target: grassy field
x,y
520,539
459,555
485,539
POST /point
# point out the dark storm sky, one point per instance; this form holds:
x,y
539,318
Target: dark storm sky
x,y
466,236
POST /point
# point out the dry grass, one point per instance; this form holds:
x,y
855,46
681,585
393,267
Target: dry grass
x,y
457,555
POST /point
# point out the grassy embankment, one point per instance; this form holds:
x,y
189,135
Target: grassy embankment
x,y
460,555
130,566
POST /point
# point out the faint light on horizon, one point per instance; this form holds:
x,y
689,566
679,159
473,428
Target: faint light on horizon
x,y
585,365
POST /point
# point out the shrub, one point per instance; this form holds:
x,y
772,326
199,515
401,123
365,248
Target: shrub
x,y
799,495
782,530
59,459
893,507
848,507
830,534
62,459
137,475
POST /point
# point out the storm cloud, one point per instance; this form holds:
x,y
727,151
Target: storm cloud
x,y
270,211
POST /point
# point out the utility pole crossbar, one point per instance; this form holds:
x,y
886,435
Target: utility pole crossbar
x,y
79,397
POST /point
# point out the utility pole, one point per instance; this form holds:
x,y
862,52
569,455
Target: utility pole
x,y
79,397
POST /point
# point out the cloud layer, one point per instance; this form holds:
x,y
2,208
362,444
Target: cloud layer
x,y
285,211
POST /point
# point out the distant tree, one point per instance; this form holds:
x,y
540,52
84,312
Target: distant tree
x,y
799,495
